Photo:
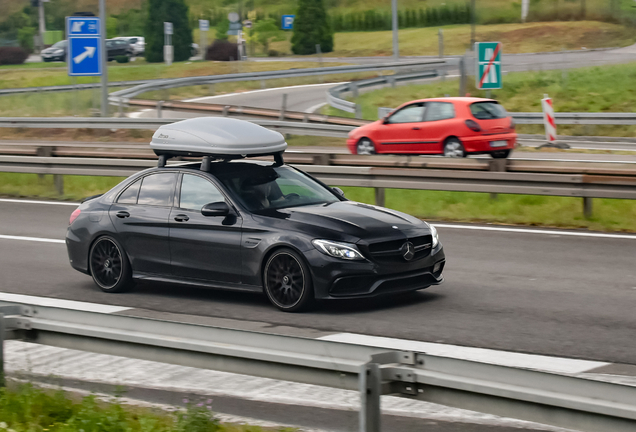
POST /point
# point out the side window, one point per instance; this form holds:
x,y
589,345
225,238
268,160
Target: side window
x,y
409,114
129,196
440,111
156,189
197,192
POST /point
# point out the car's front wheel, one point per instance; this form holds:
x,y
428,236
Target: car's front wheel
x,y
287,281
365,147
453,148
109,265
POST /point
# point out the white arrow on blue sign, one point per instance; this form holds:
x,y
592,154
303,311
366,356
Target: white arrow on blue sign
x,y
84,48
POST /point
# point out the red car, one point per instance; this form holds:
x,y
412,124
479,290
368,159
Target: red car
x,y
452,126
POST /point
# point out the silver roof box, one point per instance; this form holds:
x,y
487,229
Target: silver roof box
x,y
216,136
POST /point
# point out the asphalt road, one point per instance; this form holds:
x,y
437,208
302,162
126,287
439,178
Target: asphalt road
x,y
570,296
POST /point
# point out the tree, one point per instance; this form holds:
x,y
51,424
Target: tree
x,y
266,31
221,29
311,27
176,12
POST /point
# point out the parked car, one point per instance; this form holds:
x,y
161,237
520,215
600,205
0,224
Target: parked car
x,y
118,47
137,43
452,126
247,225
56,52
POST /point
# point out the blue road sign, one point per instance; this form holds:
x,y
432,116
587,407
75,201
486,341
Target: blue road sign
x,y
288,22
84,55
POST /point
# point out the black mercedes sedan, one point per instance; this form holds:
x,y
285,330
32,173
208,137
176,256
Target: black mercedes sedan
x,y
250,225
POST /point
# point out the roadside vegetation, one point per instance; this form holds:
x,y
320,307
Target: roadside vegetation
x,y
25,408
562,212
590,89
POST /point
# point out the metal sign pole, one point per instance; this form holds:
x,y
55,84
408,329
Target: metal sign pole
x,y
394,11
41,23
104,54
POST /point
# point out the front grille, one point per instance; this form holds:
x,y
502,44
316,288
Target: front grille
x,y
389,251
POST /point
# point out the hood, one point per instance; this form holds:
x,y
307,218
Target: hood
x,y
351,221
362,129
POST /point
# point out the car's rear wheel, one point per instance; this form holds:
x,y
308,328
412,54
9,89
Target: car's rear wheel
x,y
500,154
109,265
453,148
365,147
287,281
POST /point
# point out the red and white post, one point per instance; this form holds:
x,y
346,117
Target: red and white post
x,y
548,120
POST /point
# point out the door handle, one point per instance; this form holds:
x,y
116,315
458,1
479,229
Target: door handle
x,y
416,128
123,214
181,218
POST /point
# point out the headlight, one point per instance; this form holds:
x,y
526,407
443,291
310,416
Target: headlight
x,y
59,51
346,251
435,236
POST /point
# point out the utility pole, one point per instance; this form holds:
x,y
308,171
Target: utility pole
x,y
473,20
583,9
394,11
102,44
42,23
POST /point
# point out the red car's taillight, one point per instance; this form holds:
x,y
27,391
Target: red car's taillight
x,y
74,216
512,123
473,126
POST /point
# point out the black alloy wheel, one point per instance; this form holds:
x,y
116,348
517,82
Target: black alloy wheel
x,y
109,266
287,281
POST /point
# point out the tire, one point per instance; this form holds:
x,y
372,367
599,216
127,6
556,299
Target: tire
x,y
287,281
501,154
365,147
109,266
453,148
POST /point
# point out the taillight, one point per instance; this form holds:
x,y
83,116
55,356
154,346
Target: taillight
x,y
512,123
473,126
74,216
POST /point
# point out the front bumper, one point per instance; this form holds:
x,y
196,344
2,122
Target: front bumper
x,y
484,143
340,279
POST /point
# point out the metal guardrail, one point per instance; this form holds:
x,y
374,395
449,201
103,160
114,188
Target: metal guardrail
x,y
335,100
70,87
123,96
559,400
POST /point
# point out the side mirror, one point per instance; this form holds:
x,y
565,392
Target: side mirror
x,y
338,191
385,120
216,209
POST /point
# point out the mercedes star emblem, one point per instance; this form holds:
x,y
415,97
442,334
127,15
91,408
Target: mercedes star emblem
x,y
408,251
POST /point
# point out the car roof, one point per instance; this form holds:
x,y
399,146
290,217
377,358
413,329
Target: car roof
x,y
216,136
465,99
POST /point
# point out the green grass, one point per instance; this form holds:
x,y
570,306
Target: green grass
x,y
516,38
26,408
591,89
609,215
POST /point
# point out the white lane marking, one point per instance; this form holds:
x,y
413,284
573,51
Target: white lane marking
x,y
204,98
59,303
66,203
315,108
33,239
483,355
538,231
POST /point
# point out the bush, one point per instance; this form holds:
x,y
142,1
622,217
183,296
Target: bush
x,y
122,59
222,50
273,53
311,28
12,55
176,12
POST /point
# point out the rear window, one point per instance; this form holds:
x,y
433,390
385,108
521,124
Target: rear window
x,y
488,110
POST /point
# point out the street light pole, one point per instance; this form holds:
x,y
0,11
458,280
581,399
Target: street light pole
x,y
42,23
473,19
396,49
104,59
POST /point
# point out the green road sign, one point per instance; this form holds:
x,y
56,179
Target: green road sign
x,y
488,65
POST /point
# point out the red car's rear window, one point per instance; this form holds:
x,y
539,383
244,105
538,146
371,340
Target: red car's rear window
x,y
488,110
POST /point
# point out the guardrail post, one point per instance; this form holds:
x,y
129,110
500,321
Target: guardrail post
x,y
211,89
587,207
370,392
440,37
354,89
283,107
379,196
226,110
263,84
58,180
497,165
2,333
462,77
159,107
358,113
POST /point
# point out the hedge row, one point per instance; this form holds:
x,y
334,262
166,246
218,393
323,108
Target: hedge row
x,y
12,55
371,20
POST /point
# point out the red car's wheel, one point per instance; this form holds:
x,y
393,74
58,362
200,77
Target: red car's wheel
x,y
365,147
453,148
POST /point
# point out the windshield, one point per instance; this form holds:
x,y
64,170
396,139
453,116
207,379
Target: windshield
x,y
488,110
60,44
260,187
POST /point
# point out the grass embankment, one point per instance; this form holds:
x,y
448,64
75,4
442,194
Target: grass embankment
x,y
28,409
609,215
516,38
590,89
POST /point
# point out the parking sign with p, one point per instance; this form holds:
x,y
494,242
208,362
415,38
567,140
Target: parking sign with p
x,y
488,65
288,22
